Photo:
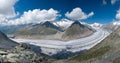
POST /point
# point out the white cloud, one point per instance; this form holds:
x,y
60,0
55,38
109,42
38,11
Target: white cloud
x,y
90,14
78,14
104,2
117,21
35,16
118,14
114,1
7,9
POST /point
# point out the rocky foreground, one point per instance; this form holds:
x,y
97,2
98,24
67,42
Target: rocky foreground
x,y
108,51
23,54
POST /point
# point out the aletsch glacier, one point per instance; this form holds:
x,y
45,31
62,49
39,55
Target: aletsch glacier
x,y
51,47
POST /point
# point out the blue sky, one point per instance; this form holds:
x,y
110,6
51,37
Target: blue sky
x,y
103,13
35,11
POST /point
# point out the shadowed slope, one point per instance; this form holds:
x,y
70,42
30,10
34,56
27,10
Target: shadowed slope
x,y
5,42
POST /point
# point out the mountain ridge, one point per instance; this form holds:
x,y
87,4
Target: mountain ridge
x,y
105,52
6,43
77,30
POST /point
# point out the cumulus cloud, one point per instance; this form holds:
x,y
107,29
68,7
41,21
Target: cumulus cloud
x,y
78,14
35,16
7,9
118,14
117,20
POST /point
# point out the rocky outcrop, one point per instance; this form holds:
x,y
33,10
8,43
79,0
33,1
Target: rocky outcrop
x,y
23,54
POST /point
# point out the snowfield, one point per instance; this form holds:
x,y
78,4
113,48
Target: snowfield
x,y
51,47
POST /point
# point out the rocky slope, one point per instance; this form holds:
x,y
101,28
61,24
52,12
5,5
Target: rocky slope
x,y
6,43
77,30
38,31
23,54
48,30
108,51
12,52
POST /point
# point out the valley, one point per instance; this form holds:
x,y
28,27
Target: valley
x,y
59,31
55,46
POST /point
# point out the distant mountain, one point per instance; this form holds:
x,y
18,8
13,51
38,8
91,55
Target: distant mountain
x,y
40,30
63,23
51,25
6,43
50,30
77,30
10,29
116,23
96,25
110,27
108,51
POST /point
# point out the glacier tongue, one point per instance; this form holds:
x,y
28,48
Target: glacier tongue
x,y
51,47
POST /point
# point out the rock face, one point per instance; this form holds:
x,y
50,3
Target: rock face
x,y
23,54
48,30
51,25
12,52
6,43
108,51
77,30
38,30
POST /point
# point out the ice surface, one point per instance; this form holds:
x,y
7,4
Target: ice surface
x,y
51,47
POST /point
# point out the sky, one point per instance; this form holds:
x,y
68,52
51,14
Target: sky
x,y
16,12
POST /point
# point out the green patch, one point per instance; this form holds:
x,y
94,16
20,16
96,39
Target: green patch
x,y
92,54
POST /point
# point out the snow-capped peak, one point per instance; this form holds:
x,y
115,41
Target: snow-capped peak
x,y
63,23
96,25
116,23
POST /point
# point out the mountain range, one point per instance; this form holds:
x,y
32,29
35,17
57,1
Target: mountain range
x,y
107,51
49,30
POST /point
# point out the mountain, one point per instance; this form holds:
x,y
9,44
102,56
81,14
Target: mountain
x,y
10,29
116,23
77,30
108,51
50,30
110,27
64,23
41,30
6,43
51,25
96,25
